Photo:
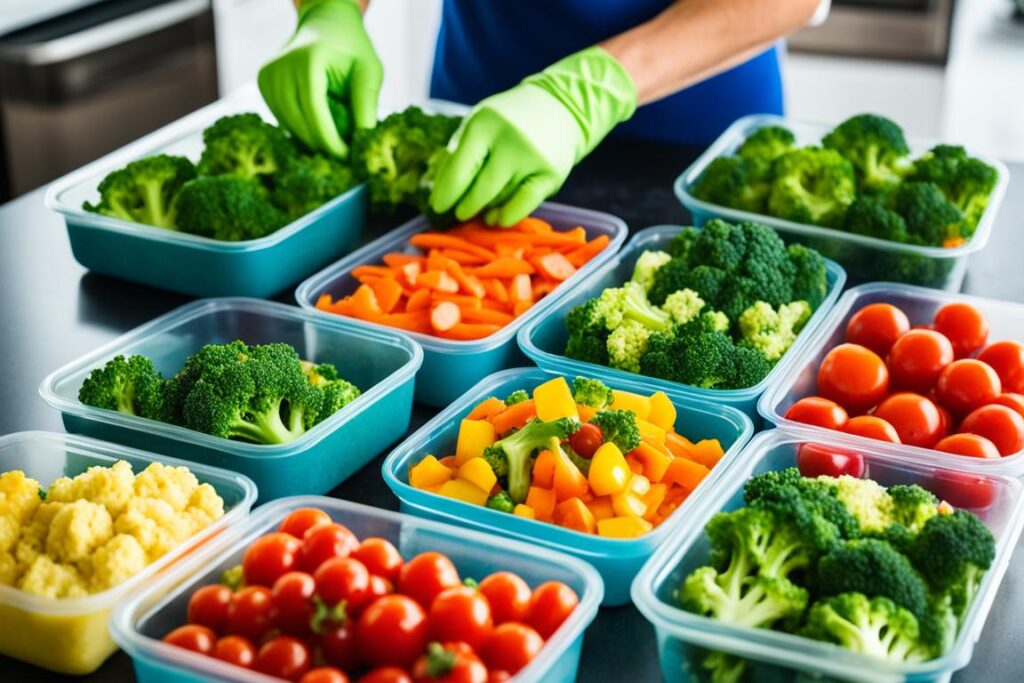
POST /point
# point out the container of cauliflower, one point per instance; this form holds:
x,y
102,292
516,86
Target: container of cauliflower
x,y
82,523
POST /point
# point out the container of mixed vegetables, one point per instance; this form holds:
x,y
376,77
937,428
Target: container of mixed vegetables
x,y
884,207
828,559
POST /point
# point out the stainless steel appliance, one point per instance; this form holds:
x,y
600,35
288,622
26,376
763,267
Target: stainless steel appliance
x,y
78,85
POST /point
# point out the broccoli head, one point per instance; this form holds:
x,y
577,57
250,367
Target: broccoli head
x,y
812,502
869,216
512,458
501,502
767,143
587,334
517,396
629,302
912,506
874,568
770,537
810,277
771,332
737,182
128,385
144,190
226,208
875,146
309,181
647,265
685,305
877,627
680,245
618,427
626,344
812,185
591,392
967,182
246,146
337,392
740,598
931,219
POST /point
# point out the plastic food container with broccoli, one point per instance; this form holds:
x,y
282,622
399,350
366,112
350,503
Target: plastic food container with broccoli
x,y
859,193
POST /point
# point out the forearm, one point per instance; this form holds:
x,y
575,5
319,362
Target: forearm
x,y
695,39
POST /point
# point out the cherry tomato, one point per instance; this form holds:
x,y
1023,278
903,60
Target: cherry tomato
x,y
551,604
387,674
1013,401
379,586
963,490
269,557
298,522
1007,359
250,613
586,440
916,419
967,384
918,358
511,647
452,662
343,578
208,606
1003,426
324,542
192,637
968,444
284,657
461,613
380,557
425,576
292,595
324,674
815,460
872,427
877,326
338,644
392,631
947,419
854,377
235,650
964,325
498,676
508,595
815,410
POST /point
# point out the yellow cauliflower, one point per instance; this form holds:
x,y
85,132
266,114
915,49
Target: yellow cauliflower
x,y
156,525
204,507
53,580
77,530
173,485
8,569
33,537
19,498
115,562
112,487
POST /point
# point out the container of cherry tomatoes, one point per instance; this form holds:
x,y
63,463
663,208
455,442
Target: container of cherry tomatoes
x,y
940,374
319,590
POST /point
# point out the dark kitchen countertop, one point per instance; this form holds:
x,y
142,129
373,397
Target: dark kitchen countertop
x,y
52,311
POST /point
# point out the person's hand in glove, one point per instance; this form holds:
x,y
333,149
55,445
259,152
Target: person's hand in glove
x,y
516,148
330,60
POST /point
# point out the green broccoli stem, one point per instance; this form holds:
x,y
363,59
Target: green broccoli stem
x,y
266,427
159,211
520,474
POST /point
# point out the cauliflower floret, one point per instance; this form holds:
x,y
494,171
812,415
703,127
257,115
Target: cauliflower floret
x,y
116,561
19,498
111,487
77,530
868,500
53,580
156,525
33,537
204,507
171,484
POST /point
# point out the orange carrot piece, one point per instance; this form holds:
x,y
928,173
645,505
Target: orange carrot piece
x,y
412,322
464,257
364,303
461,300
469,284
388,292
520,307
533,224
509,250
544,470
492,305
521,288
419,301
555,266
438,240
680,446
495,289
542,288
503,267
490,237
470,331
372,271
577,235
574,514
486,409
438,280
436,260
685,473
514,416
397,258
486,315
408,273
579,257
444,316
324,302
542,501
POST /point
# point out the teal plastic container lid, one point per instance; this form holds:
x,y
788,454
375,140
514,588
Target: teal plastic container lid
x,y
774,655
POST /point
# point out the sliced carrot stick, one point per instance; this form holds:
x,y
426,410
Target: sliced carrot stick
x,y
555,266
407,274
521,307
444,316
579,257
418,301
509,250
542,288
395,259
521,288
514,417
378,271
495,289
533,224
413,322
465,258
436,260
503,267
364,302
388,292
488,237
437,240
486,315
470,331
438,280
486,409
470,284
461,300
324,302
492,305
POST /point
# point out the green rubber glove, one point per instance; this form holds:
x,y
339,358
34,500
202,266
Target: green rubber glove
x,y
516,148
330,59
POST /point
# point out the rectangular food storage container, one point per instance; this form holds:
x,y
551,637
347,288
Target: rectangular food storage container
x,y
190,264
381,363
140,623
617,560
70,636
865,258
799,377
451,367
543,338
685,639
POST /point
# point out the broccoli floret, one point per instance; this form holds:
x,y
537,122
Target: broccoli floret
x,y
337,392
246,146
128,385
912,506
647,265
144,190
722,667
618,427
512,457
517,396
501,502
826,519
591,392
810,278
770,536
684,306
629,302
226,208
767,143
308,182
627,343
811,185
691,356
587,334
929,216
875,146
748,368
737,182
680,245
739,598
866,499
876,627
870,217
967,182
772,332
874,568
676,275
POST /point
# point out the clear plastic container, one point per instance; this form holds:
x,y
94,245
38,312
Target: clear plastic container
x,y
70,636
190,264
684,639
865,258
543,338
798,377
451,367
138,624
382,363
617,560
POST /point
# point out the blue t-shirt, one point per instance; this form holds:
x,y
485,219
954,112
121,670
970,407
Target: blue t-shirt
x,y
486,46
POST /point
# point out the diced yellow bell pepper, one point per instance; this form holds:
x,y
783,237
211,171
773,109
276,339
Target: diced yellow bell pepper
x,y
628,504
524,511
663,413
478,472
625,400
554,400
601,508
623,527
463,490
609,471
474,437
427,473
639,485
650,431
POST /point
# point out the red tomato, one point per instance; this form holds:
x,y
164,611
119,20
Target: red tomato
x,y
235,650
379,586
284,657
947,419
192,637
324,542
324,674
250,613
918,358
872,427
586,440
292,595
298,522
916,419
498,676
963,490
343,578
269,557
452,662
338,644
511,647
967,384
877,326
551,604
380,557
816,460
1003,426
392,631
1007,359
461,613
964,325
1012,401
425,576
208,606
968,444
814,410
387,674
854,377
508,595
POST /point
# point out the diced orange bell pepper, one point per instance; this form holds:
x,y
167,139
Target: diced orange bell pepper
x,y
650,431
542,501
653,500
623,527
680,446
655,463
486,409
707,452
601,507
569,481
544,470
685,473
428,472
574,514
524,511
585,412
628,504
